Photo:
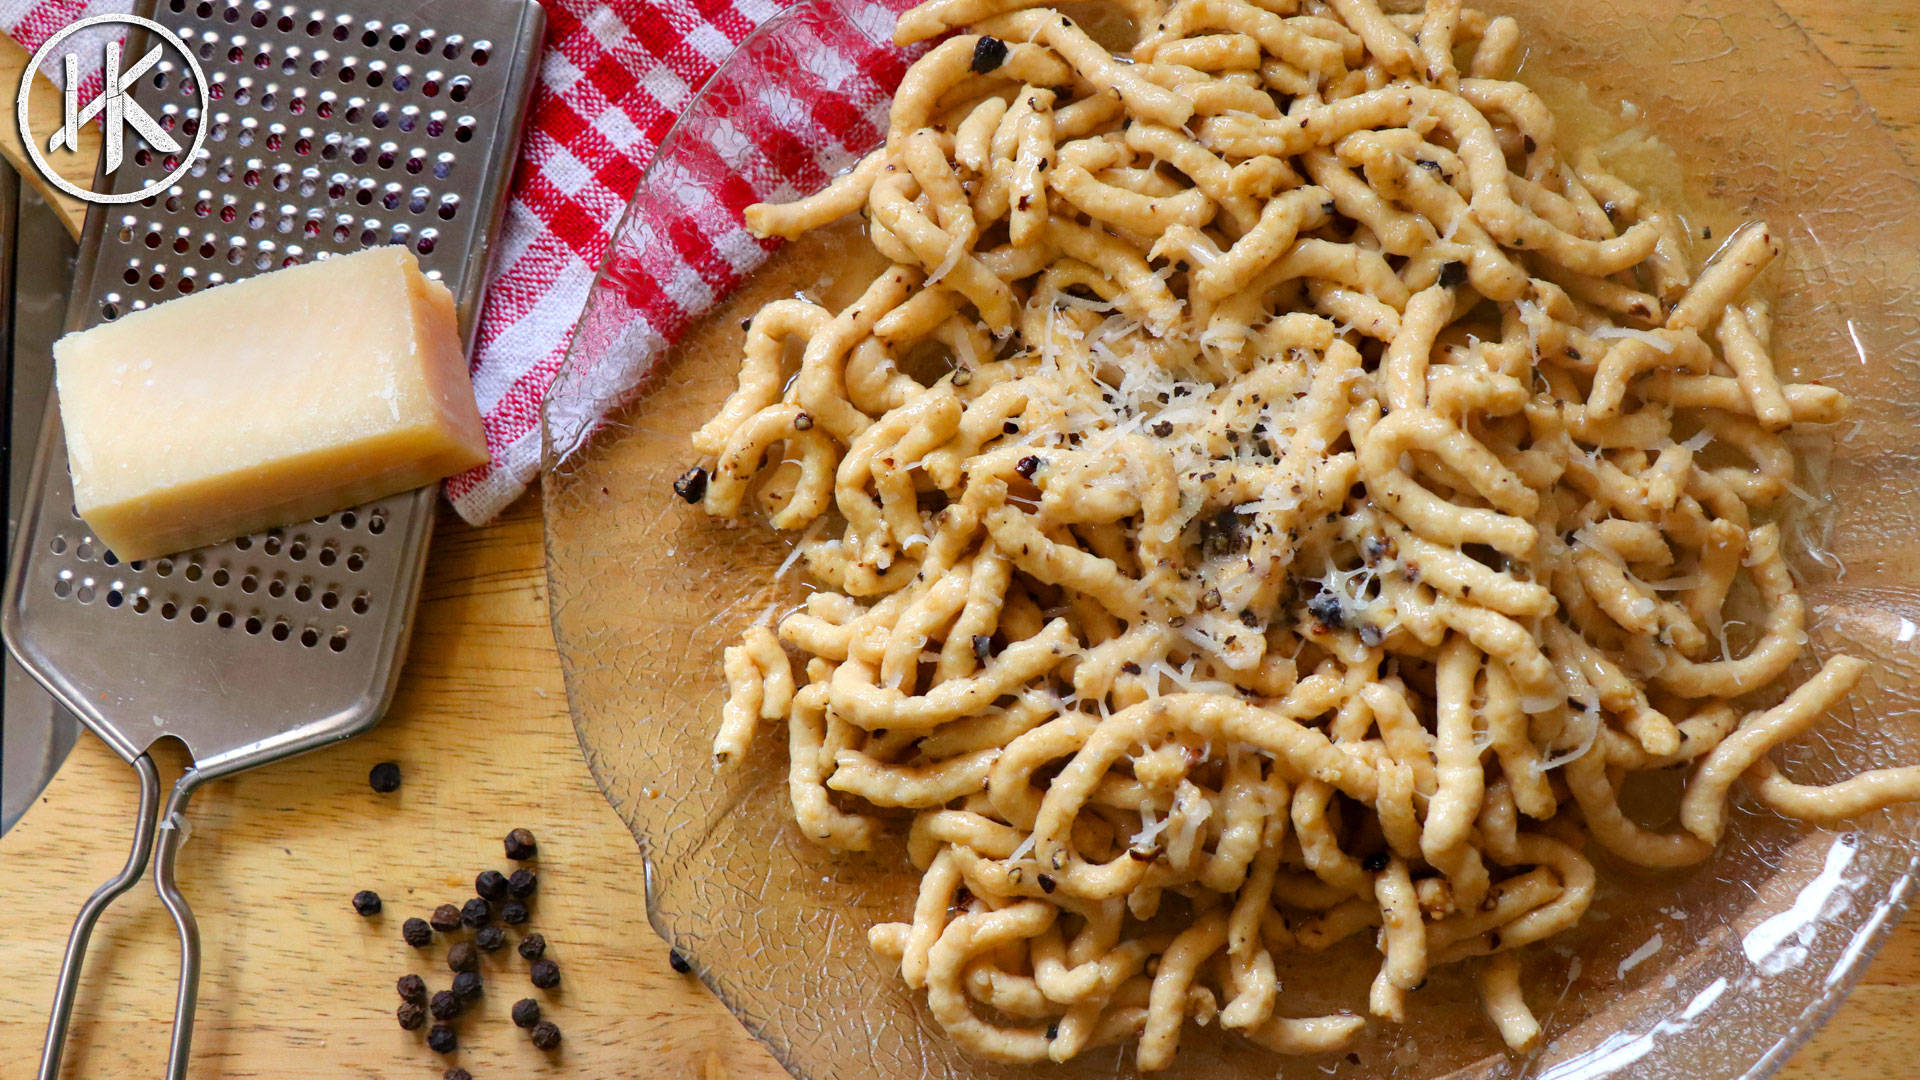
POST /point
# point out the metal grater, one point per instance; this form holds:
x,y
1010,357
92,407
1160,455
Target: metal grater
x,y
332,129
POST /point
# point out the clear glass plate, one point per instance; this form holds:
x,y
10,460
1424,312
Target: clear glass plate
x,y
1722,971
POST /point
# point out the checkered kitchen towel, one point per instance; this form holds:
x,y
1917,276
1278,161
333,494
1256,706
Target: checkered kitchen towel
x,y
613,80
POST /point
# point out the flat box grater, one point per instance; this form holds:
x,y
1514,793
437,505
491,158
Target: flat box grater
x,y
330,129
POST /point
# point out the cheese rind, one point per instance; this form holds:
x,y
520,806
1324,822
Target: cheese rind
x,y
260,403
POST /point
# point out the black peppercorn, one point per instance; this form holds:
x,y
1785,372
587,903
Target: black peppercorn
x,y
513,913
490,938
678,962
492,885
476,912
456,1074
412,988
411,1015
442,1040
523,883
445,918
416,932
445,1005
526,1013
545,974
533,946
467,985
988,54
692,485
462,957
366,902
546,1035
520,845
384,777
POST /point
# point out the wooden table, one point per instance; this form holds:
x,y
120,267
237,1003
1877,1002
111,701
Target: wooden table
x,y
295,985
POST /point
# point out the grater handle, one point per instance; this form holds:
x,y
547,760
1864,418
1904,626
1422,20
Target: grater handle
x,y
173,833
70,967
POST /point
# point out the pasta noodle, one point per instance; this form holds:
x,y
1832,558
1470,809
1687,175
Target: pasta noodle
x,y
1331,489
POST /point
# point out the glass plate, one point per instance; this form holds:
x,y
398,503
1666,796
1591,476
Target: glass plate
x,y
1719,972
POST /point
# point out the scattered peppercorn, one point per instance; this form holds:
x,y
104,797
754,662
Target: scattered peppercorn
x,y
411,1015
546,1035
445,918
523,883
520,845
526,1013
476,912
456,1073
490,939
412,988
442,1040
533,946
692,485
462,957
445,1005
545,974
513,913
384,777
491,885
467,985
678,962
416,932
366,902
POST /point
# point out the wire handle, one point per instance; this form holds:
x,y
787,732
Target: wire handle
x,y
68,986
173,833
172,830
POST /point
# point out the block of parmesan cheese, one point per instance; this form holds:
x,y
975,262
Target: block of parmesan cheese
x,y
255,404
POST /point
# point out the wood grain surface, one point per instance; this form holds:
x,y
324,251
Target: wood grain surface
x,y
45,109
295,985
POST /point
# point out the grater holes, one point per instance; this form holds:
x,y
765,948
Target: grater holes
x,y
57,545
62,586
457,89
224,620
198,613
249,583
232,14
348,519
328,555
163,567
141,605
285,24
309,637
377,522
220,577
357,560
253,624
361,604
338,641
482,52
194,571
443,167
282,630
410,119
84,549
303,592
329,599
169,610
277,588
425,245
84,591
259,20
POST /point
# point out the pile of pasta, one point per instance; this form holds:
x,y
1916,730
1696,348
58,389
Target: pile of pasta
x,y
1274,492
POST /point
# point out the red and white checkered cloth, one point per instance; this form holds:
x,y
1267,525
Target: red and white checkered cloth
x,y
614,78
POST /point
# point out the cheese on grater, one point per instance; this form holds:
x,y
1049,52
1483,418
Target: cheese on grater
x,y
260,403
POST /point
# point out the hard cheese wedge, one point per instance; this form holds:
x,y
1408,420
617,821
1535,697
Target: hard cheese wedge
x,y
281,397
